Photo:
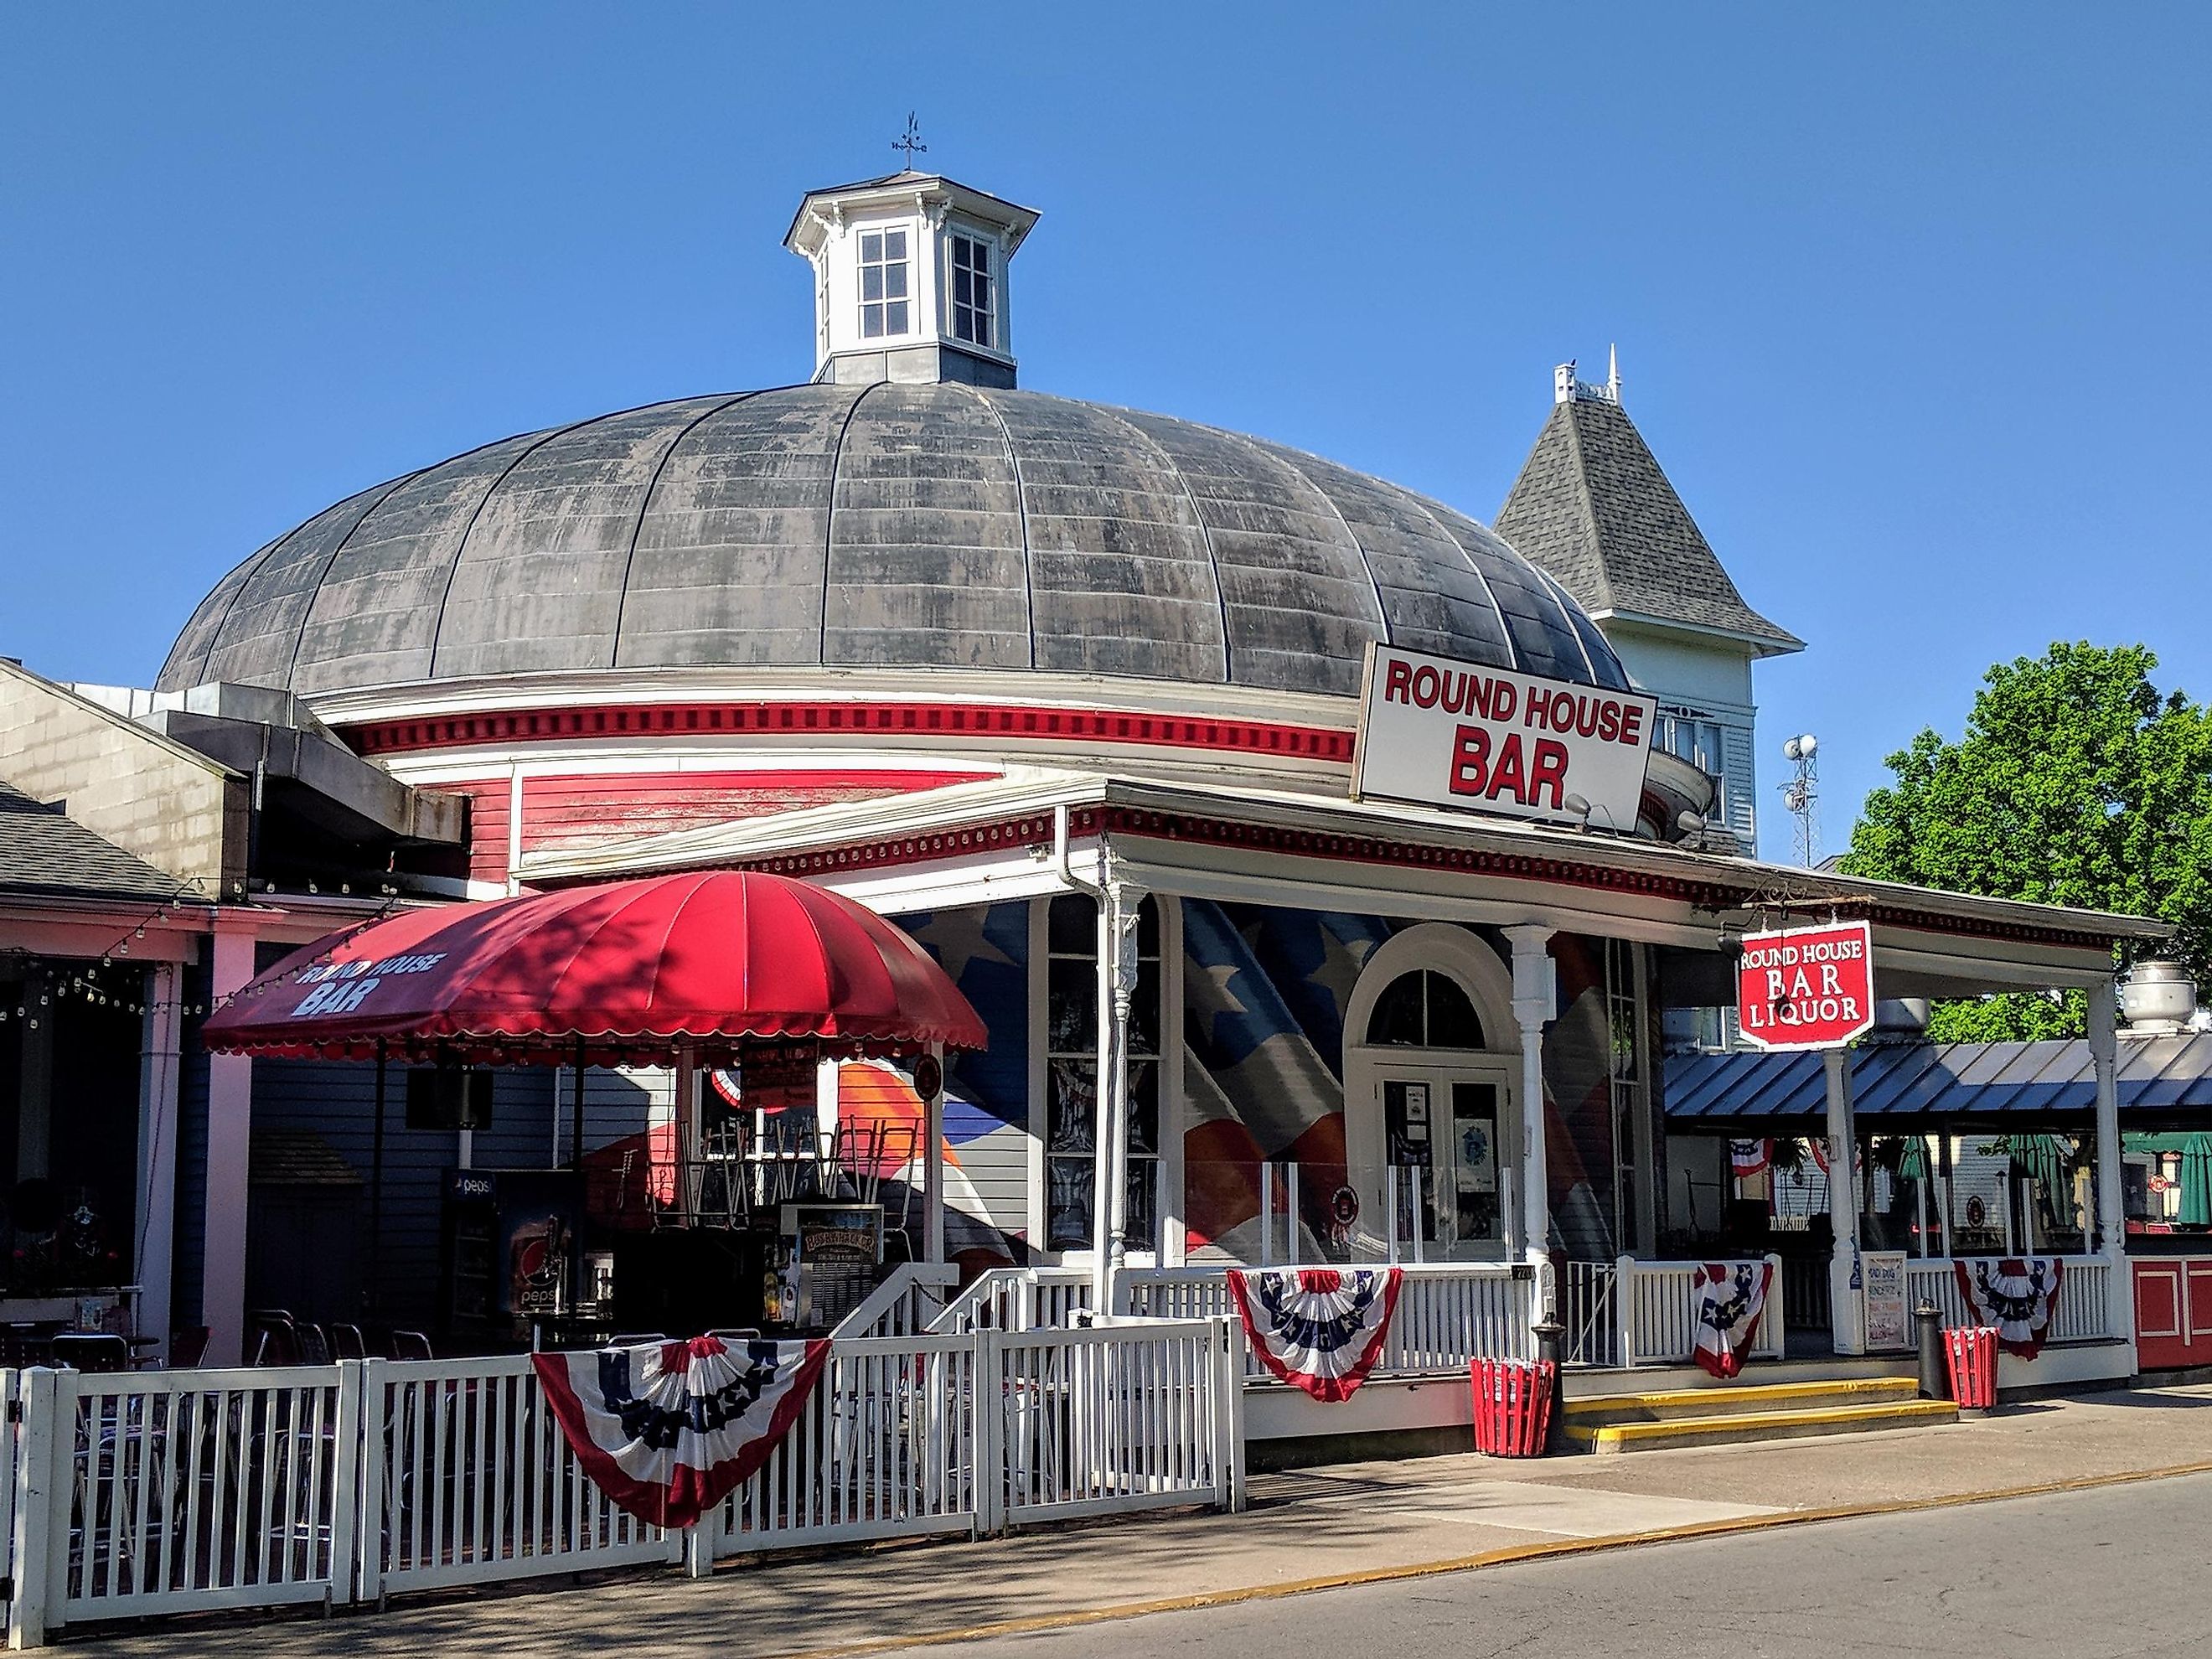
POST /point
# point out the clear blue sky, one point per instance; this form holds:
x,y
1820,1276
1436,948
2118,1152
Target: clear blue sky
x,y
1911,299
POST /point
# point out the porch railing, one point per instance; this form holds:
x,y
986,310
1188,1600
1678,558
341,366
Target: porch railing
x,y
1628,1312
190,1490
2084,1313
909,1301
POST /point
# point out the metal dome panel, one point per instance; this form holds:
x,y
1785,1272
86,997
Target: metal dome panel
x,y
884,526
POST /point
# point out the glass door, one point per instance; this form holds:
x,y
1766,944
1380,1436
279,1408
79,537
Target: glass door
x,y
1442,1175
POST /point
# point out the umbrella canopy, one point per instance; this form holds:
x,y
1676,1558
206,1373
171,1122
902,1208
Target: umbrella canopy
x,y
622,972
2197,1182
2047,1160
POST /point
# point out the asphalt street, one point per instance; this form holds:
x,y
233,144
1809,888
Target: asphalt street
x,y
2082,1574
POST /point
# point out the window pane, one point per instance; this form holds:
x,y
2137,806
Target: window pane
x,y
1148,928
1071,926
894,245
1453,1023
1397,1018
960,294
1145,1011
1140,1219
872,282
895,317
1474,1149
1072,1112
982,334
894,280
872,319
1072,1006
872,245
980,253
1068,1204
1144,1106
962,329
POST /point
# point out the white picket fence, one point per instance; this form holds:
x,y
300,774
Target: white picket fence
x,y
2083,1314
155,1493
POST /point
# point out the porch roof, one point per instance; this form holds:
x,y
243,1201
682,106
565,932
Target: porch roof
x,y
2164,1080
1019,810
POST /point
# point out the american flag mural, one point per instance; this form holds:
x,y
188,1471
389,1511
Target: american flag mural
x,y
1265,992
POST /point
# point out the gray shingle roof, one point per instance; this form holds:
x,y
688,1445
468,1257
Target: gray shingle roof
x,y
44,854
881,526
1593,507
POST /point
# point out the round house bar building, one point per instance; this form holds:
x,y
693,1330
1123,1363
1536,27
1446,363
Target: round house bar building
x,y
1072,693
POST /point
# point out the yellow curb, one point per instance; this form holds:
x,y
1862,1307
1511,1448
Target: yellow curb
x,y
1512,1553
1598,1405
1695,1431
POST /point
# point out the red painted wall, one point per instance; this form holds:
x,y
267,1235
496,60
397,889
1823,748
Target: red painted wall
x,y
566,814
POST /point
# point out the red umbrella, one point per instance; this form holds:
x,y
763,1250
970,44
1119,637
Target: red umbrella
x,y
623,972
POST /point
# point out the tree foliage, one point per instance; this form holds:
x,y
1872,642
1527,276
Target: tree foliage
x,y
2076,782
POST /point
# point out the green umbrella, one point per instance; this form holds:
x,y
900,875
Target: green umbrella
x,y
2197,1182
2046,1160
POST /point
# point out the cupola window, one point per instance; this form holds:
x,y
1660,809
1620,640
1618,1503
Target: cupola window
x,y
884,294
971,290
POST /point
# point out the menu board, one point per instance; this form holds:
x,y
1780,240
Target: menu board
x,y
1888,1328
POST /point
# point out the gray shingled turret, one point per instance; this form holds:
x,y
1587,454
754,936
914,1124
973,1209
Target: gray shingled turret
x,y
1593,508
886,526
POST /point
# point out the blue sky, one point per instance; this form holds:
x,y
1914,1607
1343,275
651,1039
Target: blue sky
x,y
1911,299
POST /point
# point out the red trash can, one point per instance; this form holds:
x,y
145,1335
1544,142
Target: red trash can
x,y
1512,1406
1973,1353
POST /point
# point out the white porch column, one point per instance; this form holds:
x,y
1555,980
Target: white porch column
x,y
157,1153
1535,1002
1844,1309
1117,985
229,1130
2111,1217
932,1163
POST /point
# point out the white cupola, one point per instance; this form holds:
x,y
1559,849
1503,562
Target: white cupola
x,y
910,280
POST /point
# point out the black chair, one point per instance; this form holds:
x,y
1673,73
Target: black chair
x,y
188,1348
347,1343
411,1345
272,1338
314,1348
92,1352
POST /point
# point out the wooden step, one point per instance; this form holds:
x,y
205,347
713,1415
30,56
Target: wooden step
x,y
1736,1427
1728,1398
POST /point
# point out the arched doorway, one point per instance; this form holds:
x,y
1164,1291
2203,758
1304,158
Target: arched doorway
x,y
1431,1068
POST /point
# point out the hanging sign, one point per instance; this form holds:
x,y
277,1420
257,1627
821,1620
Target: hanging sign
x,y
1806,988
1472,738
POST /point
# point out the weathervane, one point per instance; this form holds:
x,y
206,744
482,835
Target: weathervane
x,y
911,144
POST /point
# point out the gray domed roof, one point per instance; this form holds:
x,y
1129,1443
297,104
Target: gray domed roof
x,y
883,526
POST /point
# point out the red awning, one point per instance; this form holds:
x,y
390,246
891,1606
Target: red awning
x,y
629,969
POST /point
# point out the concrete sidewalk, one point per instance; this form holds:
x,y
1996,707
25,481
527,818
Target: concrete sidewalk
x,y
1370,1519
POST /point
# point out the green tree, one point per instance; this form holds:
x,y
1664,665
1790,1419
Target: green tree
x,y
2076,782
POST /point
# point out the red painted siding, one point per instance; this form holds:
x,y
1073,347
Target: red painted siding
x,y
565,814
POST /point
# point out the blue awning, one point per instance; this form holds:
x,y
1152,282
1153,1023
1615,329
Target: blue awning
x,y
2160,1076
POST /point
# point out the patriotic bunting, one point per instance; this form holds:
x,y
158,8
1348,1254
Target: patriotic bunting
x,y
670,1429
2017,1295
1729,1296
1747,1158
1318,1328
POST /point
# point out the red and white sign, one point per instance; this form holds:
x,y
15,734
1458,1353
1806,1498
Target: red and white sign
x,y
1467,736
1806,988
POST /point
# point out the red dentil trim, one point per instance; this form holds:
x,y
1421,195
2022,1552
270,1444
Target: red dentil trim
x,y
393,737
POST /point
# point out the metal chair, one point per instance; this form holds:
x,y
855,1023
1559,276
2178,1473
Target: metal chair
x,y
95,1351
347,1343
411,1345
